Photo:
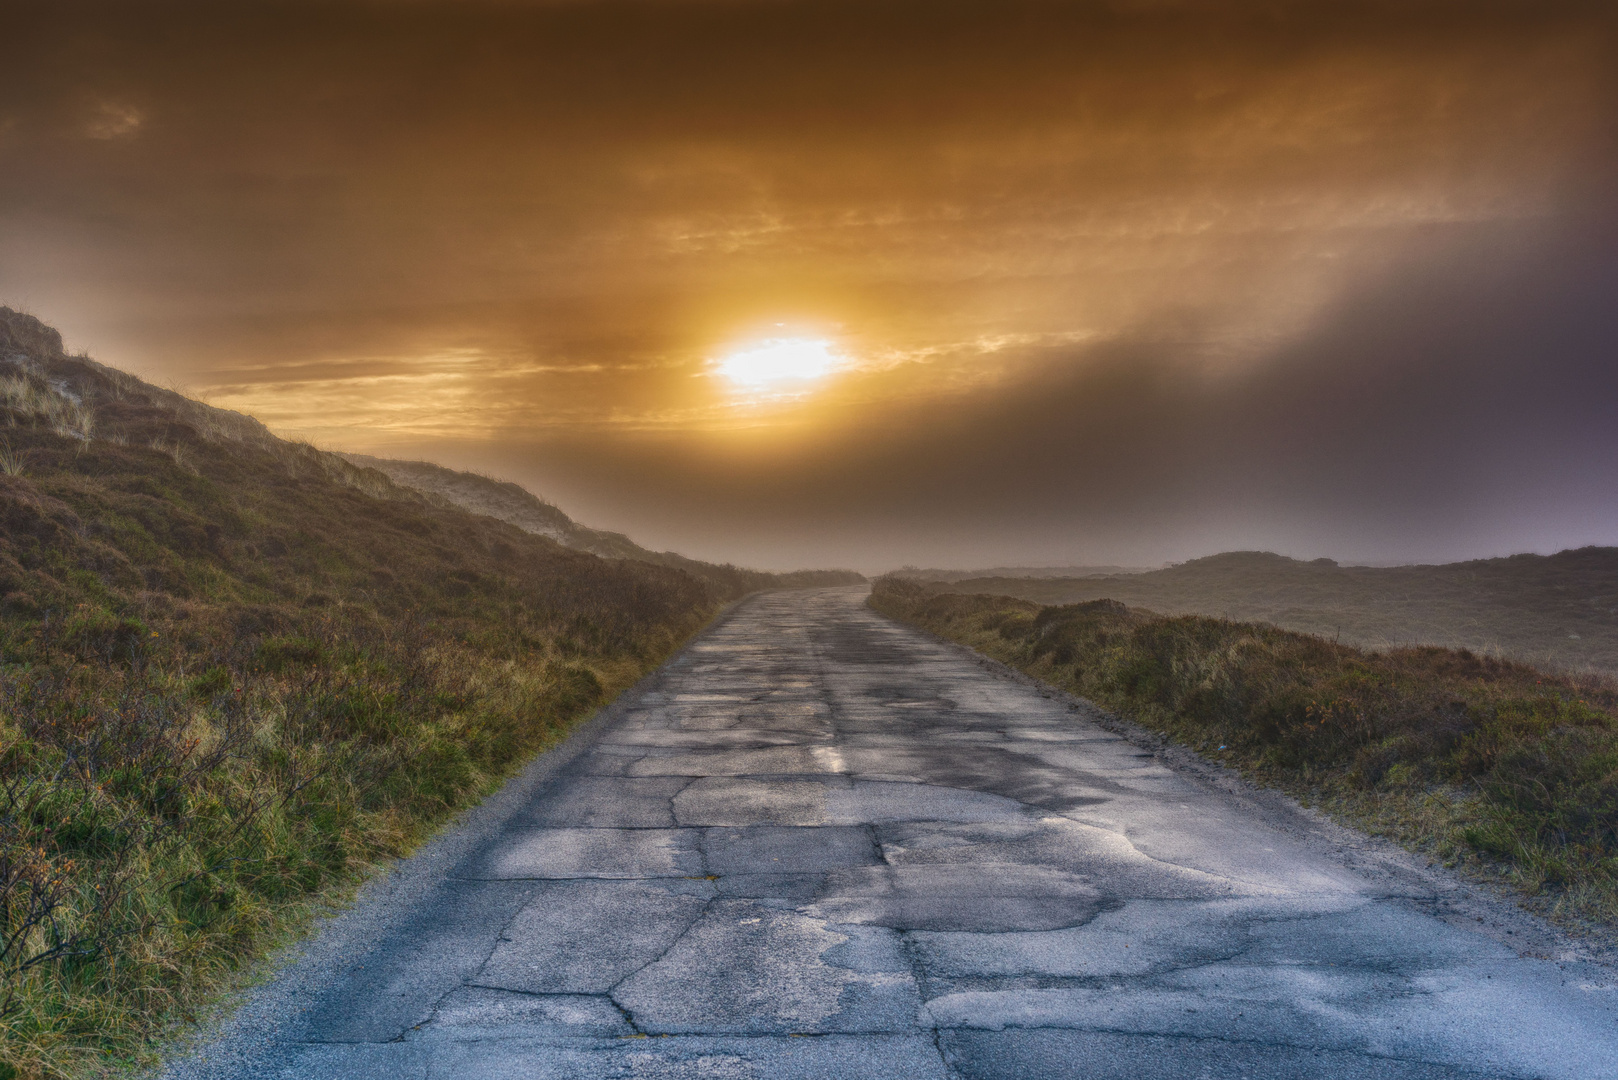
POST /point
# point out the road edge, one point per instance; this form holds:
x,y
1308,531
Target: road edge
x,y
1445,894
242,1025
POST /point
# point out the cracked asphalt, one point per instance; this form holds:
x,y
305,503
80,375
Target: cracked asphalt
x,y
818,844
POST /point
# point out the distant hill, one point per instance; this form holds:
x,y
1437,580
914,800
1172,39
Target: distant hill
x,y
504,500
919,574
1548,610
520,507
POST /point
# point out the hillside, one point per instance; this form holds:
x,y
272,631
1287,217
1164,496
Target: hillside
x,y
916,573
515,504
1558,611
503,500
235,673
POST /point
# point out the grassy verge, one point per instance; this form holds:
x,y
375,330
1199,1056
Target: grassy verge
x,y
1489,765
235,672
1553,612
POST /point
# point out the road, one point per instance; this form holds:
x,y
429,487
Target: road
x,y
819,844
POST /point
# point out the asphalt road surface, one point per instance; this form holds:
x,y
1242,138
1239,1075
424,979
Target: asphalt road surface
x,y
819,844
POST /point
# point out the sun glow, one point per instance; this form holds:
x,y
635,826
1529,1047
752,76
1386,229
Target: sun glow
x,y
779,362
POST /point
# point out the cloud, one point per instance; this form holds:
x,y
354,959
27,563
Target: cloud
x,y
111,120
1109,277
1458,407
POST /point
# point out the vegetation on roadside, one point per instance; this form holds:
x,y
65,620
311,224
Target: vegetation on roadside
x,y
1490,765
1551,611
235,672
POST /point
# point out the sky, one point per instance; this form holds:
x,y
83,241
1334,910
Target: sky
x,y
869,283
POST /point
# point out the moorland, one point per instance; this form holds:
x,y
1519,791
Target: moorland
x,y
238,673
1558,612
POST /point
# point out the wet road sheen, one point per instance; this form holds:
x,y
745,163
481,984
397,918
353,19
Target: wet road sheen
x,y
823,845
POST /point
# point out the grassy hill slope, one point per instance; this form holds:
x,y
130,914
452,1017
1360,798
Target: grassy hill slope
x,y
1556,611
235,672
506,501
522,508
917,573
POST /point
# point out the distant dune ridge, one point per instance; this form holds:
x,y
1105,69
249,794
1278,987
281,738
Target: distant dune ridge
x,y
919,574
1556,611
517,505
506,501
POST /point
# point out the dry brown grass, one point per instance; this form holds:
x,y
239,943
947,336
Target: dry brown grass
x,y
1557,611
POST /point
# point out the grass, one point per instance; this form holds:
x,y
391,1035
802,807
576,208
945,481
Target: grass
x,y
236,672
1549,611
1490,765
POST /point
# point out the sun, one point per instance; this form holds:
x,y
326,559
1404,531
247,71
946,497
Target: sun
x,y
777,363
